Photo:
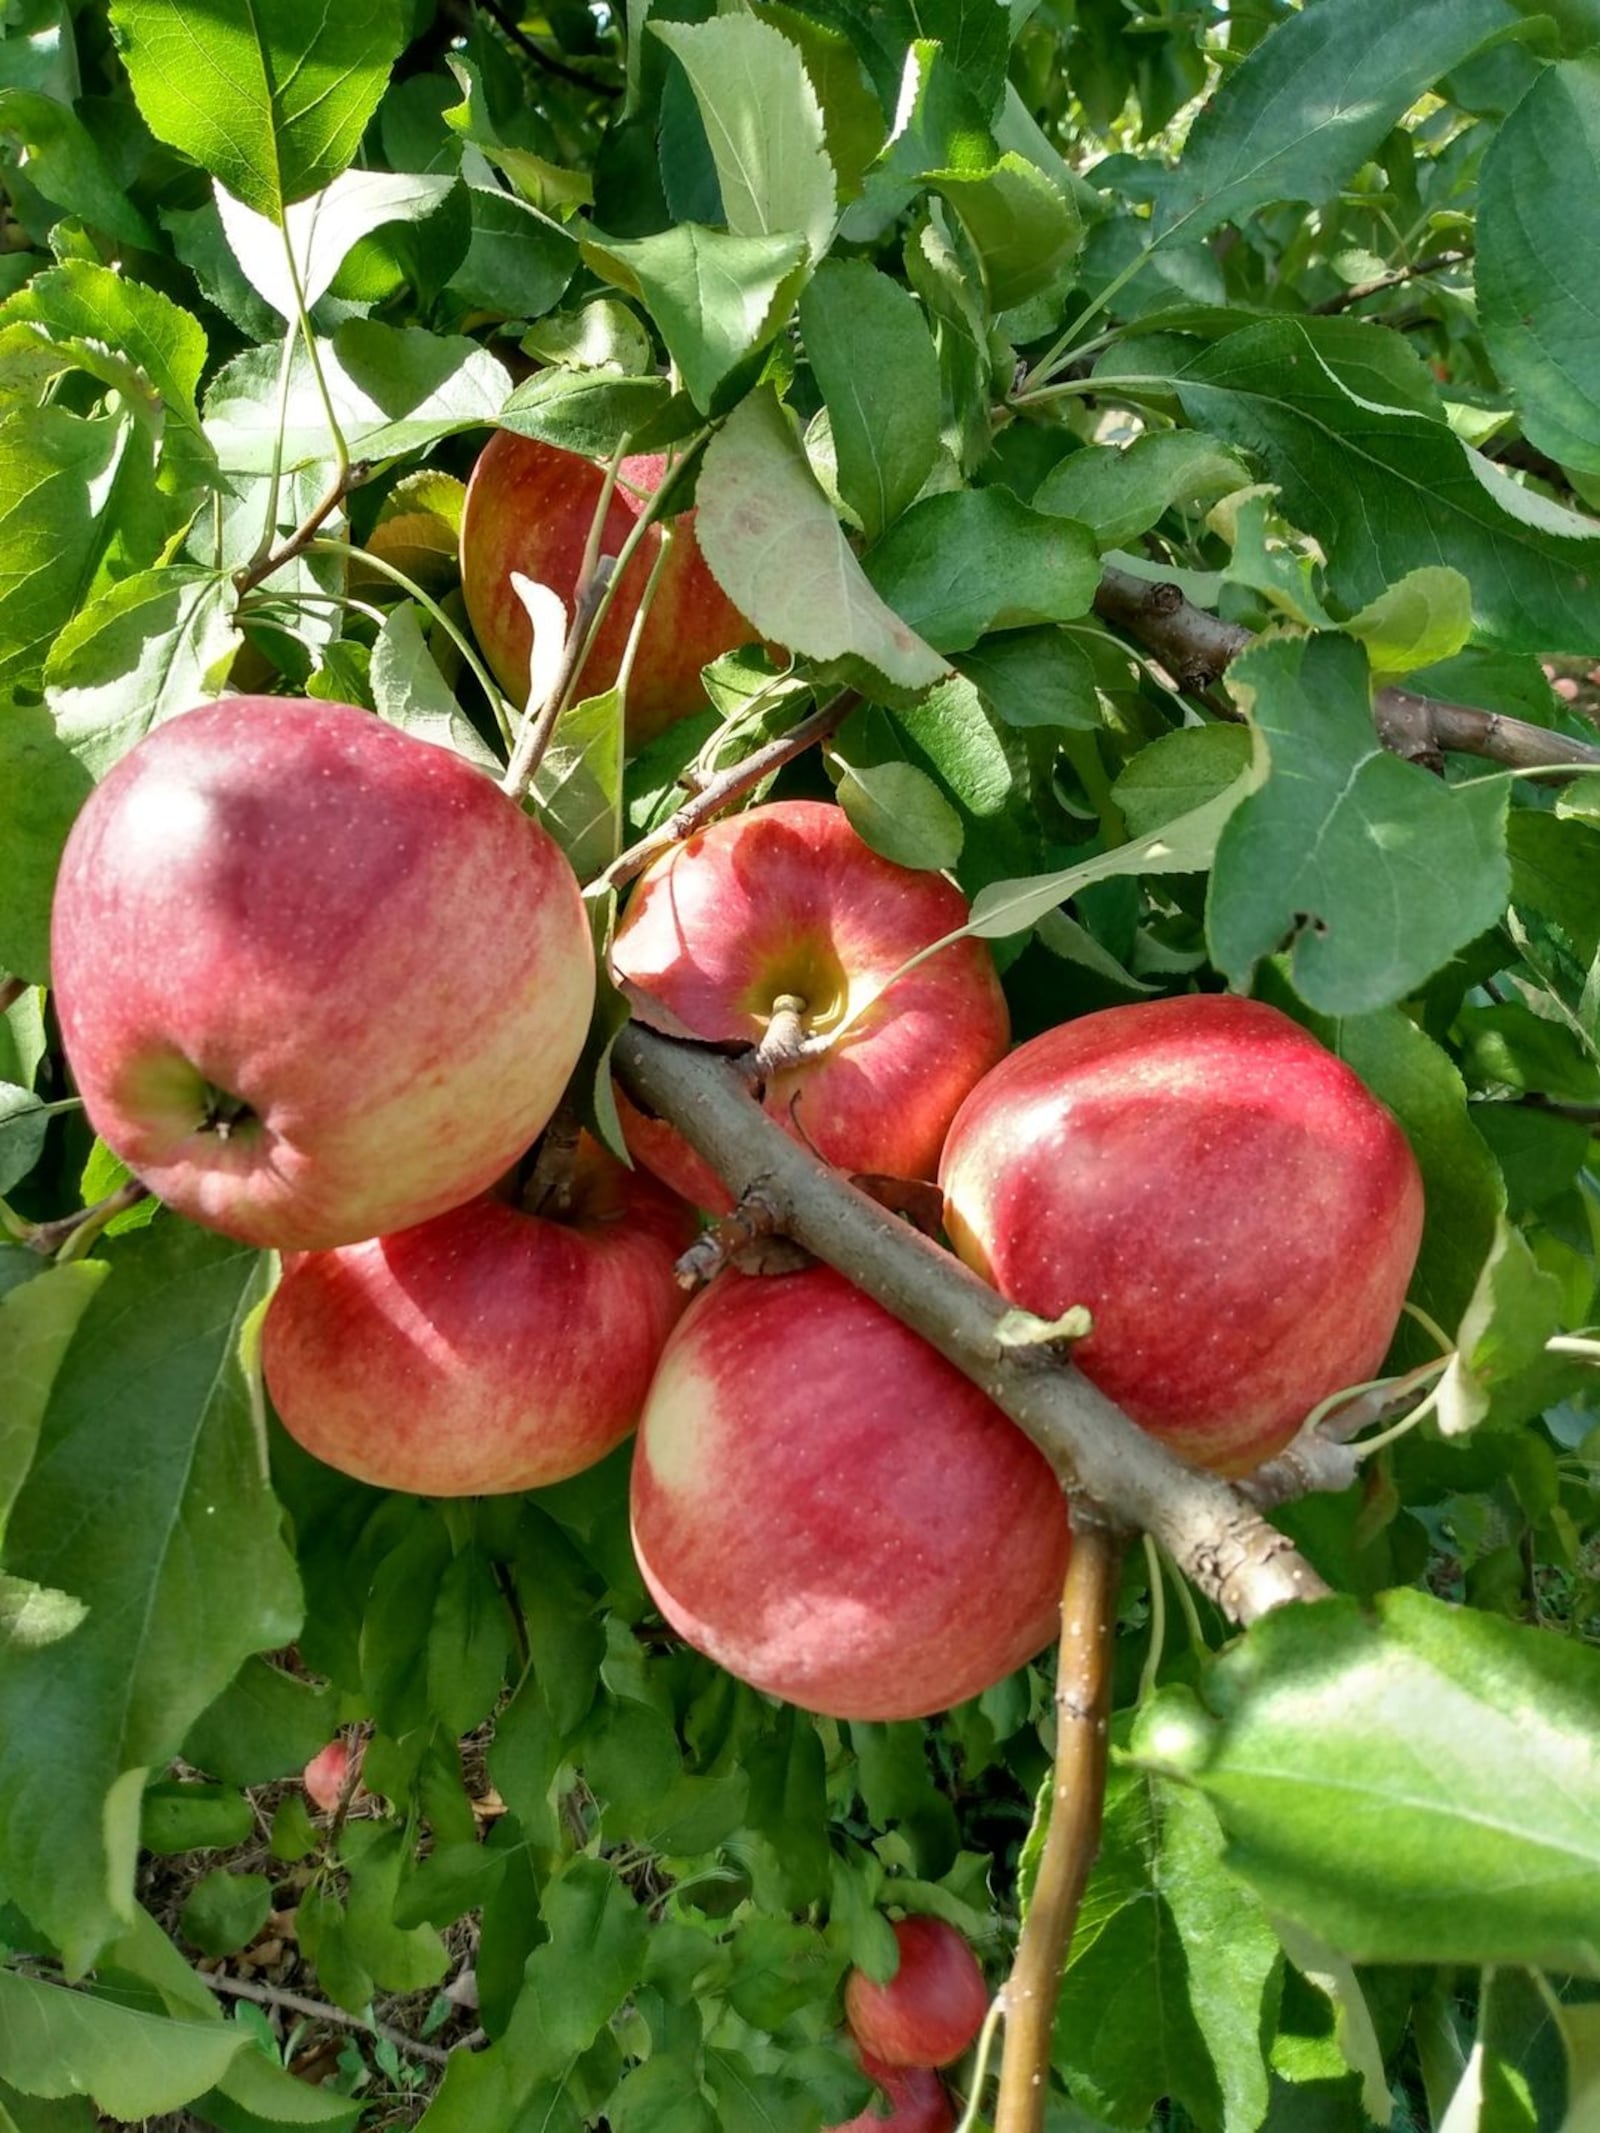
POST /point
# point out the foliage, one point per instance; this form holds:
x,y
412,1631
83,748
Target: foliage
x,y
949,307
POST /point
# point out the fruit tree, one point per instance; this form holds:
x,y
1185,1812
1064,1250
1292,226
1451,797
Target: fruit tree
x,y
799,1066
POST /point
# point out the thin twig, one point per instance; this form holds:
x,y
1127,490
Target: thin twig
x,y
1394,279
1580,1114
1197,647
540,57
344,480
1083,1704
239,1988
1222,1542
729,785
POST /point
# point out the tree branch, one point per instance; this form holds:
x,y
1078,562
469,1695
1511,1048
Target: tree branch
x,y
238,1988
1396,277
344,480
1197,647
541,58
1205,1525
1078,1786
11,991
729,785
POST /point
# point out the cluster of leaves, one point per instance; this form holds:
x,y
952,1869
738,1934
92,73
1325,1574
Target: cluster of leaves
x,y
947,308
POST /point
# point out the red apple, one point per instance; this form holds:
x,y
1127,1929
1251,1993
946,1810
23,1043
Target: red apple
x,y
787,900
529,508
487,1350
317,979
830,1510
1239,1213
918,2101
326,1776
931,2009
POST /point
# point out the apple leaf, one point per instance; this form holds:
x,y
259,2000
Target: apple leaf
x,y
1370,1763
66,165
294,263
775,547
764,125
1172,1968
900,812
177,1553
1120,491
128,335
519,260
1023,228
1312,101
151,646
60,2042
1034,678
270,96
264,1725
1374,871
42,786
38,1319
873,357
409,691
577,792
958,565
1534,267
1348,426
1424,618
586,411
716,297
394,390
57,474
1501,1373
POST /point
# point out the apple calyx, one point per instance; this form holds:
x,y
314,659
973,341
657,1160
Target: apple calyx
x,y
225,1115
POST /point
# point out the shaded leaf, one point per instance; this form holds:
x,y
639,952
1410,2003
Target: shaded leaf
x,y
873,357
969,561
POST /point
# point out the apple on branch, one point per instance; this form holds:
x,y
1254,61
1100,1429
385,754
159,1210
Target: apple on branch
x,y
918,2101
529,508
1237,1211
933,2007
317,979
830,1510
781,929
489,1350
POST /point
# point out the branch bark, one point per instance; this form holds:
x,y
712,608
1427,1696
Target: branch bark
x,y
1078,1787
1197,648
1206,1526
1394,279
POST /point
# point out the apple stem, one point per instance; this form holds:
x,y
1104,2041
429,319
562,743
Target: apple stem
x,y
548,1191
1077,1796
727,786
756,1216
70,1236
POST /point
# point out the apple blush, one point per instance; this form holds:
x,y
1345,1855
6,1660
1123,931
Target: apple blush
x,y
1239,1213
488,1350
830,1510
918,2102
529,508
930,2010
784,910
317,979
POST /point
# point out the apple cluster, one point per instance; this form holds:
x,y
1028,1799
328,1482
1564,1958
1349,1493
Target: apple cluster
x,y
323,987
922,2018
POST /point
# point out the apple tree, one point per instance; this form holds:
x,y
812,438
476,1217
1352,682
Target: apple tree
x,y
1144,466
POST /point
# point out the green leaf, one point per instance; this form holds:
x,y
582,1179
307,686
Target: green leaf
x,y
1313,101
780,1967
1426,617
57,2042
775,547
116,327
1375,872
1120,491
409,691
38,1320
1034,678
178,1554
67,167
764,125
1534,268
57,471
1500,1373
589,412
272,2097
224,1912
900,812
149,647
185,1817
574,1982
399,1958
519,260
716,297
264,1725
1349,429
577,793
1178,772
1023,229
873,357
973,560
394,390
297,264
1368,1765
469,1644
269,96
662,2096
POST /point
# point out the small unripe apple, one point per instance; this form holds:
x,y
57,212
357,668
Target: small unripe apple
x,y
931,2009
326,1776
786,902
1237,1210
918,2101
317,979
830,1510
488,1350
529,508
